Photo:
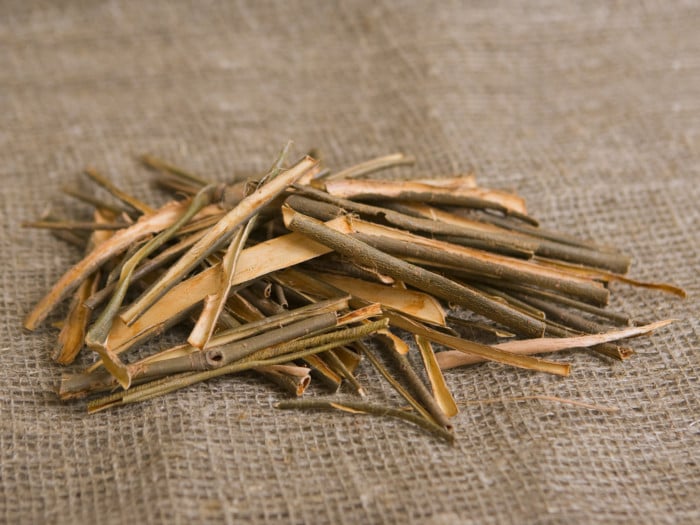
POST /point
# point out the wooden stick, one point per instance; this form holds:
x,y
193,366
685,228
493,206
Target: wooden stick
x,y
74,225
163,166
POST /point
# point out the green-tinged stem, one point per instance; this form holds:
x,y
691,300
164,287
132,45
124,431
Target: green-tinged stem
x,y
119,194
160,165
74,225
91,199
367,408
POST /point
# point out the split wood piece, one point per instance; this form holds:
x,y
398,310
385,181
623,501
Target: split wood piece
x,y
121,241
410,302
452,359
486,352
254,262
119,194
270,356
323,206
218,234
321,371
480,198
72,335
293,379
371,166
441,392
214,304
355,407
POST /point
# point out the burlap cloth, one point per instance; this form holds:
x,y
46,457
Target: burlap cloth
x,y
590,111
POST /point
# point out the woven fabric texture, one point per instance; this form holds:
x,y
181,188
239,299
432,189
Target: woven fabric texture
x,y
590,110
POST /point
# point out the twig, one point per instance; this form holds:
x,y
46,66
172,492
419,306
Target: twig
x,y
366,408
119,194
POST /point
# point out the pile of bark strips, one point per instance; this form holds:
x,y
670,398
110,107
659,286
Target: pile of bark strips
x,y
303,272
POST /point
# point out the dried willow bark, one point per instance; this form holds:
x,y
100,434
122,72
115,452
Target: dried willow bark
x,y
449,238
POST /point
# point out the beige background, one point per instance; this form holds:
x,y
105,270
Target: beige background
x,y
591,110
